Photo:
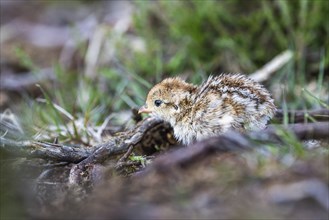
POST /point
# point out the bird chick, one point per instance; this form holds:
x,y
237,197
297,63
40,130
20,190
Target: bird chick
x,y
221,103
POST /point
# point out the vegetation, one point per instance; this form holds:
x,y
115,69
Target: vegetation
x,y
191,39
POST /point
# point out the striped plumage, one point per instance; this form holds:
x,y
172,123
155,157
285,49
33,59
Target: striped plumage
x,y
228,101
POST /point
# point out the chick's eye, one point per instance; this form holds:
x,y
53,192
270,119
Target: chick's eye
x,y
157,103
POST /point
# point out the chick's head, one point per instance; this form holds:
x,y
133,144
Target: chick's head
x,y
168,99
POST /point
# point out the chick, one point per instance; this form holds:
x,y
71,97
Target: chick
x,y
221,103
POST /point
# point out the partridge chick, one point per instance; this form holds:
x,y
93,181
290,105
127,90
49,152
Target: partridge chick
x,y
228,101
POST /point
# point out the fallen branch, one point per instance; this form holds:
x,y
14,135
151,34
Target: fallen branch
x,y
48,151
115,146
318,130
120,143
75,153
298,116
146,134
233,142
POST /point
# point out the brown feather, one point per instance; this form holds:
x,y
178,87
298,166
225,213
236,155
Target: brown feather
x,y
228,101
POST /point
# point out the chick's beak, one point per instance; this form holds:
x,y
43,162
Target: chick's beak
x,y
144,109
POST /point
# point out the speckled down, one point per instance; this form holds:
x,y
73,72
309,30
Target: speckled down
x,y
221,103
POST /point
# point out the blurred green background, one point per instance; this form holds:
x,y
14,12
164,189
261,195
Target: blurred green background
x,y
91,59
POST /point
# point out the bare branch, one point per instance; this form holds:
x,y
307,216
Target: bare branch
x,y
232,142
143,135
298,116
51,151
115,146
318,130
75,153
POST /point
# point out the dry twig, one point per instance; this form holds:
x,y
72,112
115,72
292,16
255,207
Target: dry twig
x,y
275,64
48,151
